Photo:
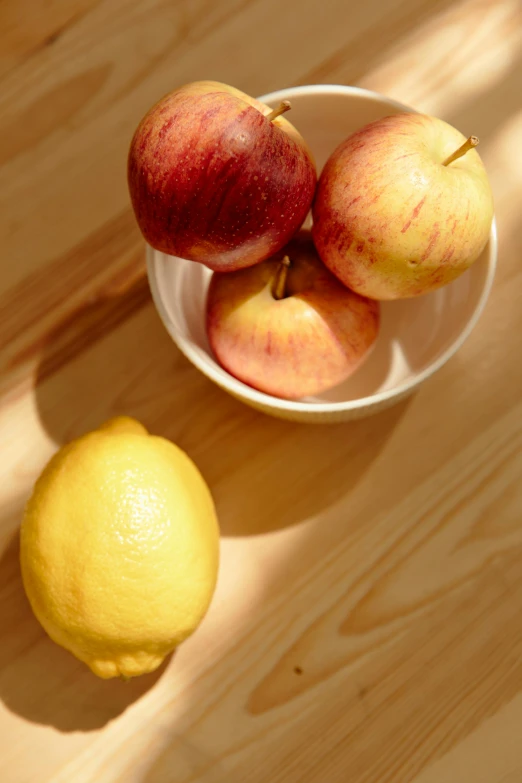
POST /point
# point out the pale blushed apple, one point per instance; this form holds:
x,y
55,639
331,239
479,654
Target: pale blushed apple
x,y
287,326
217,177
393,216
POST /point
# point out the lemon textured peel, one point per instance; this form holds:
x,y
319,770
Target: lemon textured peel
x,y
120,548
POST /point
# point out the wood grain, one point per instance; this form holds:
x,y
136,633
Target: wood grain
x,y
366,625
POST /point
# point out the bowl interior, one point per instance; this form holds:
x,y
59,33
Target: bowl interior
x,y
416,335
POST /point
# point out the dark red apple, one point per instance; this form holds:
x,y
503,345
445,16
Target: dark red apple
x,y
214,179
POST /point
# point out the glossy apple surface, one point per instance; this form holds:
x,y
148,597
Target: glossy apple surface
x,y
296,346
211,179
390,220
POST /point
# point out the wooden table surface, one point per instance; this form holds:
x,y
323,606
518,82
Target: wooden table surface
x,y
367,626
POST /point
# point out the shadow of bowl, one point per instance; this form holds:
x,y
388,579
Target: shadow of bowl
x,y
258,467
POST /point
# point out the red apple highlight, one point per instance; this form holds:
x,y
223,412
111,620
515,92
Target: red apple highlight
x,y
213,179
287,326
403,206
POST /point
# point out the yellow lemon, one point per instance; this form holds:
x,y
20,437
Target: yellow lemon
x,y
120,548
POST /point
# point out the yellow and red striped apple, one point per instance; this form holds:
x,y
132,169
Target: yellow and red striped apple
x,y
287,326
393,216
216,177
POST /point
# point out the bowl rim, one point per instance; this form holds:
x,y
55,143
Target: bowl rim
x,y
240,389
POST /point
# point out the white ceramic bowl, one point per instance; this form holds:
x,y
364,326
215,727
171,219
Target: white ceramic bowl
x,y
417,336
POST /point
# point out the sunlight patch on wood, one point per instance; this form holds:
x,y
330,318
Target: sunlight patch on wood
x,y
452,58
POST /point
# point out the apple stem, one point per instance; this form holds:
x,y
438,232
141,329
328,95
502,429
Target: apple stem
x,y
283,106
468,145
279,284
